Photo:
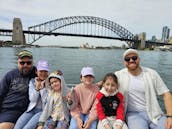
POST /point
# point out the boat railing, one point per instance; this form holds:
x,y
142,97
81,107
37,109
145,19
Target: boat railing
x,y
71,84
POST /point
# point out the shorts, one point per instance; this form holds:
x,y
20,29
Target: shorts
x,y
9,116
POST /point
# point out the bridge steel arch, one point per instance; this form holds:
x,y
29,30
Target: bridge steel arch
x,y
53,25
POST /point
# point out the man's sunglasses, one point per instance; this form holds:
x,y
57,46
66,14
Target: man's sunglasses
x,y
127,59
26,62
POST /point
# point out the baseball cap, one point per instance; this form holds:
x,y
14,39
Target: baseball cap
x,y
87,71
129,51
25,53
42,65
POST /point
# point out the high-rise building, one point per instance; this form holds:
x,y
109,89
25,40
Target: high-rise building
x,y
165,34
153,38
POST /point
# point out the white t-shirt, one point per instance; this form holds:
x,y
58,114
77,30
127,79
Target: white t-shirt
x,y
136,94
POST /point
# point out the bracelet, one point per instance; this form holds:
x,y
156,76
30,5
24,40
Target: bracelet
x,y
169,116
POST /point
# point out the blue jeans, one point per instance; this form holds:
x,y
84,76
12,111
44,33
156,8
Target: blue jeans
x,y
28,120
140,120
73,122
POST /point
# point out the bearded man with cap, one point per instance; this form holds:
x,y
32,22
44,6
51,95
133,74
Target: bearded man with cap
x,y
141,86
14,90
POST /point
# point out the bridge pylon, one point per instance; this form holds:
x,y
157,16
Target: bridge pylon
x,y
140,41
18,36
142,38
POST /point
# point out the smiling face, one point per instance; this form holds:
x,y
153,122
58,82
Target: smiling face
x,y
42,74
25,65
132,61
110,85
87,80
55,84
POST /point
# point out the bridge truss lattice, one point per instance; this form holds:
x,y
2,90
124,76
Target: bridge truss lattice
x,y
87,25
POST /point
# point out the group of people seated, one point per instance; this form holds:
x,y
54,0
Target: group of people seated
x,y
35,98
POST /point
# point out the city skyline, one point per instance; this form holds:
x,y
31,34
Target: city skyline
x,y
165,34
137,16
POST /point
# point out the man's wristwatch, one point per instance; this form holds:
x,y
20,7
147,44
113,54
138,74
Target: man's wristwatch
x,y
169,116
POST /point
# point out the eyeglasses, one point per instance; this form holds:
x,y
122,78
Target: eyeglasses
x,y
26,62
127,59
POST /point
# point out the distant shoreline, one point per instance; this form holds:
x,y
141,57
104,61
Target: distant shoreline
x,y
75,47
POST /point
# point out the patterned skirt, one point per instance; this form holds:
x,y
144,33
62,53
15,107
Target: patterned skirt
x,y
50,124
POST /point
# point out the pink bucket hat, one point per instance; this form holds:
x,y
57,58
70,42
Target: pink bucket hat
x,y
42,65
87,71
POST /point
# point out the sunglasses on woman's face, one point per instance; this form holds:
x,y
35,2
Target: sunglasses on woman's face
x,y
127,59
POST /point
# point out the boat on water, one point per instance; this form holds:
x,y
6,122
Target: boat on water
x,y
164,48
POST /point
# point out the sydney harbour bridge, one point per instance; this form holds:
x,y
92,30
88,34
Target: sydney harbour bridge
x,y
83,26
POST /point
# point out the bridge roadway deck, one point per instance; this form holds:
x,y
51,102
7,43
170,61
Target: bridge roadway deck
x,y
82,35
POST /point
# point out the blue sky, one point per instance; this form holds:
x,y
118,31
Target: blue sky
x,y
135,15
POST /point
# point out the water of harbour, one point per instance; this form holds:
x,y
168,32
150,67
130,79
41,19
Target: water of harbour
x,y
70,61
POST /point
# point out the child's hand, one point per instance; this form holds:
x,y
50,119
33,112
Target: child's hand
x,y
99,84
37,83
69,97
118,127
86,125
44,83
79,123
107,126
